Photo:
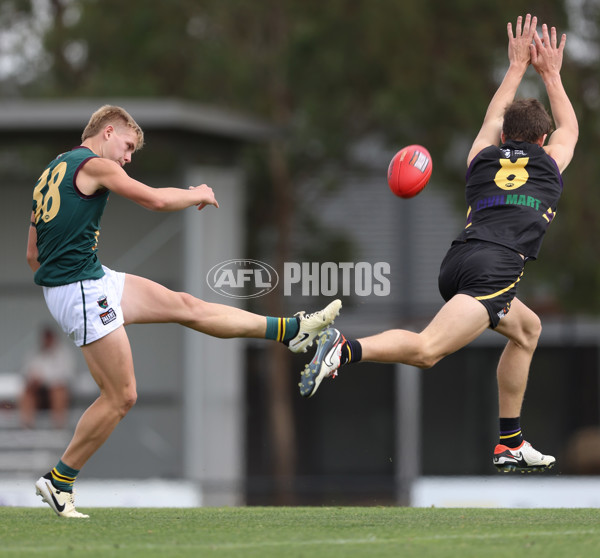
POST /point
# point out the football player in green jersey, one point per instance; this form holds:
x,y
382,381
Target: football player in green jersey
x,y
93,303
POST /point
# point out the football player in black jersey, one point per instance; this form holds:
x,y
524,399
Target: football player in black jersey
x,y
513,186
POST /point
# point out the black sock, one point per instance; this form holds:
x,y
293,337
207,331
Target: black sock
x,y
510,432
351,351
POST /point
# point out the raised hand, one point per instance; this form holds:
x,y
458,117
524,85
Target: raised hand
x,y
546,56
519,44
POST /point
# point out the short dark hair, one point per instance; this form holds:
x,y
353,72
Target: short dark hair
x,y
526,120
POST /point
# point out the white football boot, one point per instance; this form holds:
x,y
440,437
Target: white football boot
x,y
63,503
325,363
524,459
312,324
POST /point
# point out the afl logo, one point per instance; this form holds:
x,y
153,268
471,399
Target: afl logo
x,y
242,278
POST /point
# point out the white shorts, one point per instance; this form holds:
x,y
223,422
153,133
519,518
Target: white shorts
x,y
88,310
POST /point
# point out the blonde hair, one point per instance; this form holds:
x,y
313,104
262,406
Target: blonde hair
x,y
109,114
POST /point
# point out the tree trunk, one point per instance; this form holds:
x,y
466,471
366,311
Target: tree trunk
x,y
281,414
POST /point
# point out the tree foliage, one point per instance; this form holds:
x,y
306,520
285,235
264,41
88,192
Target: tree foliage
x,y
332,73
343,68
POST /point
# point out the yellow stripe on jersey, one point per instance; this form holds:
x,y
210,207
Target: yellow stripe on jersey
x,y
468,215
549,215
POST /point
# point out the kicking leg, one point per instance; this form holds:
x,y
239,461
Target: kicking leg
x,y
461,320
146,301
458,322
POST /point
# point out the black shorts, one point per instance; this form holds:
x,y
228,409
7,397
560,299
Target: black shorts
x,y
486,271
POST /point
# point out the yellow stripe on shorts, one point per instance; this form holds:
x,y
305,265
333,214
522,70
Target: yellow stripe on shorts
x,y
498,293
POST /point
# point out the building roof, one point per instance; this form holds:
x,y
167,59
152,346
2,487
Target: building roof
x,y
67,114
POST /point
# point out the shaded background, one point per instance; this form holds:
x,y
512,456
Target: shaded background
x,y
341,85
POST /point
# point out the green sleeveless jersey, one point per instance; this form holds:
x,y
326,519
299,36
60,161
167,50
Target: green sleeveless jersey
x,y
67,222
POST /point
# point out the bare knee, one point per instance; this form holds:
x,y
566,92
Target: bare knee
x,y
528,335
532,332
193,309
427,361
536,327
129,400
124,402
426,355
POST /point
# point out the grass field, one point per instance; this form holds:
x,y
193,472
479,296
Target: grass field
x,y
311,532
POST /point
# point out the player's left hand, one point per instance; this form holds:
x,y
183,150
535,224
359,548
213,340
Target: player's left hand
x,y
207,196
546,55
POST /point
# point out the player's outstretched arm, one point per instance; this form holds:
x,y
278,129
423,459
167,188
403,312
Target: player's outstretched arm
x,y
519,56
546,58
100,172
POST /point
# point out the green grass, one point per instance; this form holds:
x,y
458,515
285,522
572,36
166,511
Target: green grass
x,y
293,532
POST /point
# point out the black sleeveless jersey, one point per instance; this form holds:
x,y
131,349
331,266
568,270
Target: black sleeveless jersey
x,y
512,193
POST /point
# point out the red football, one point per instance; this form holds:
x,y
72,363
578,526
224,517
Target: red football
x,y
409,171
